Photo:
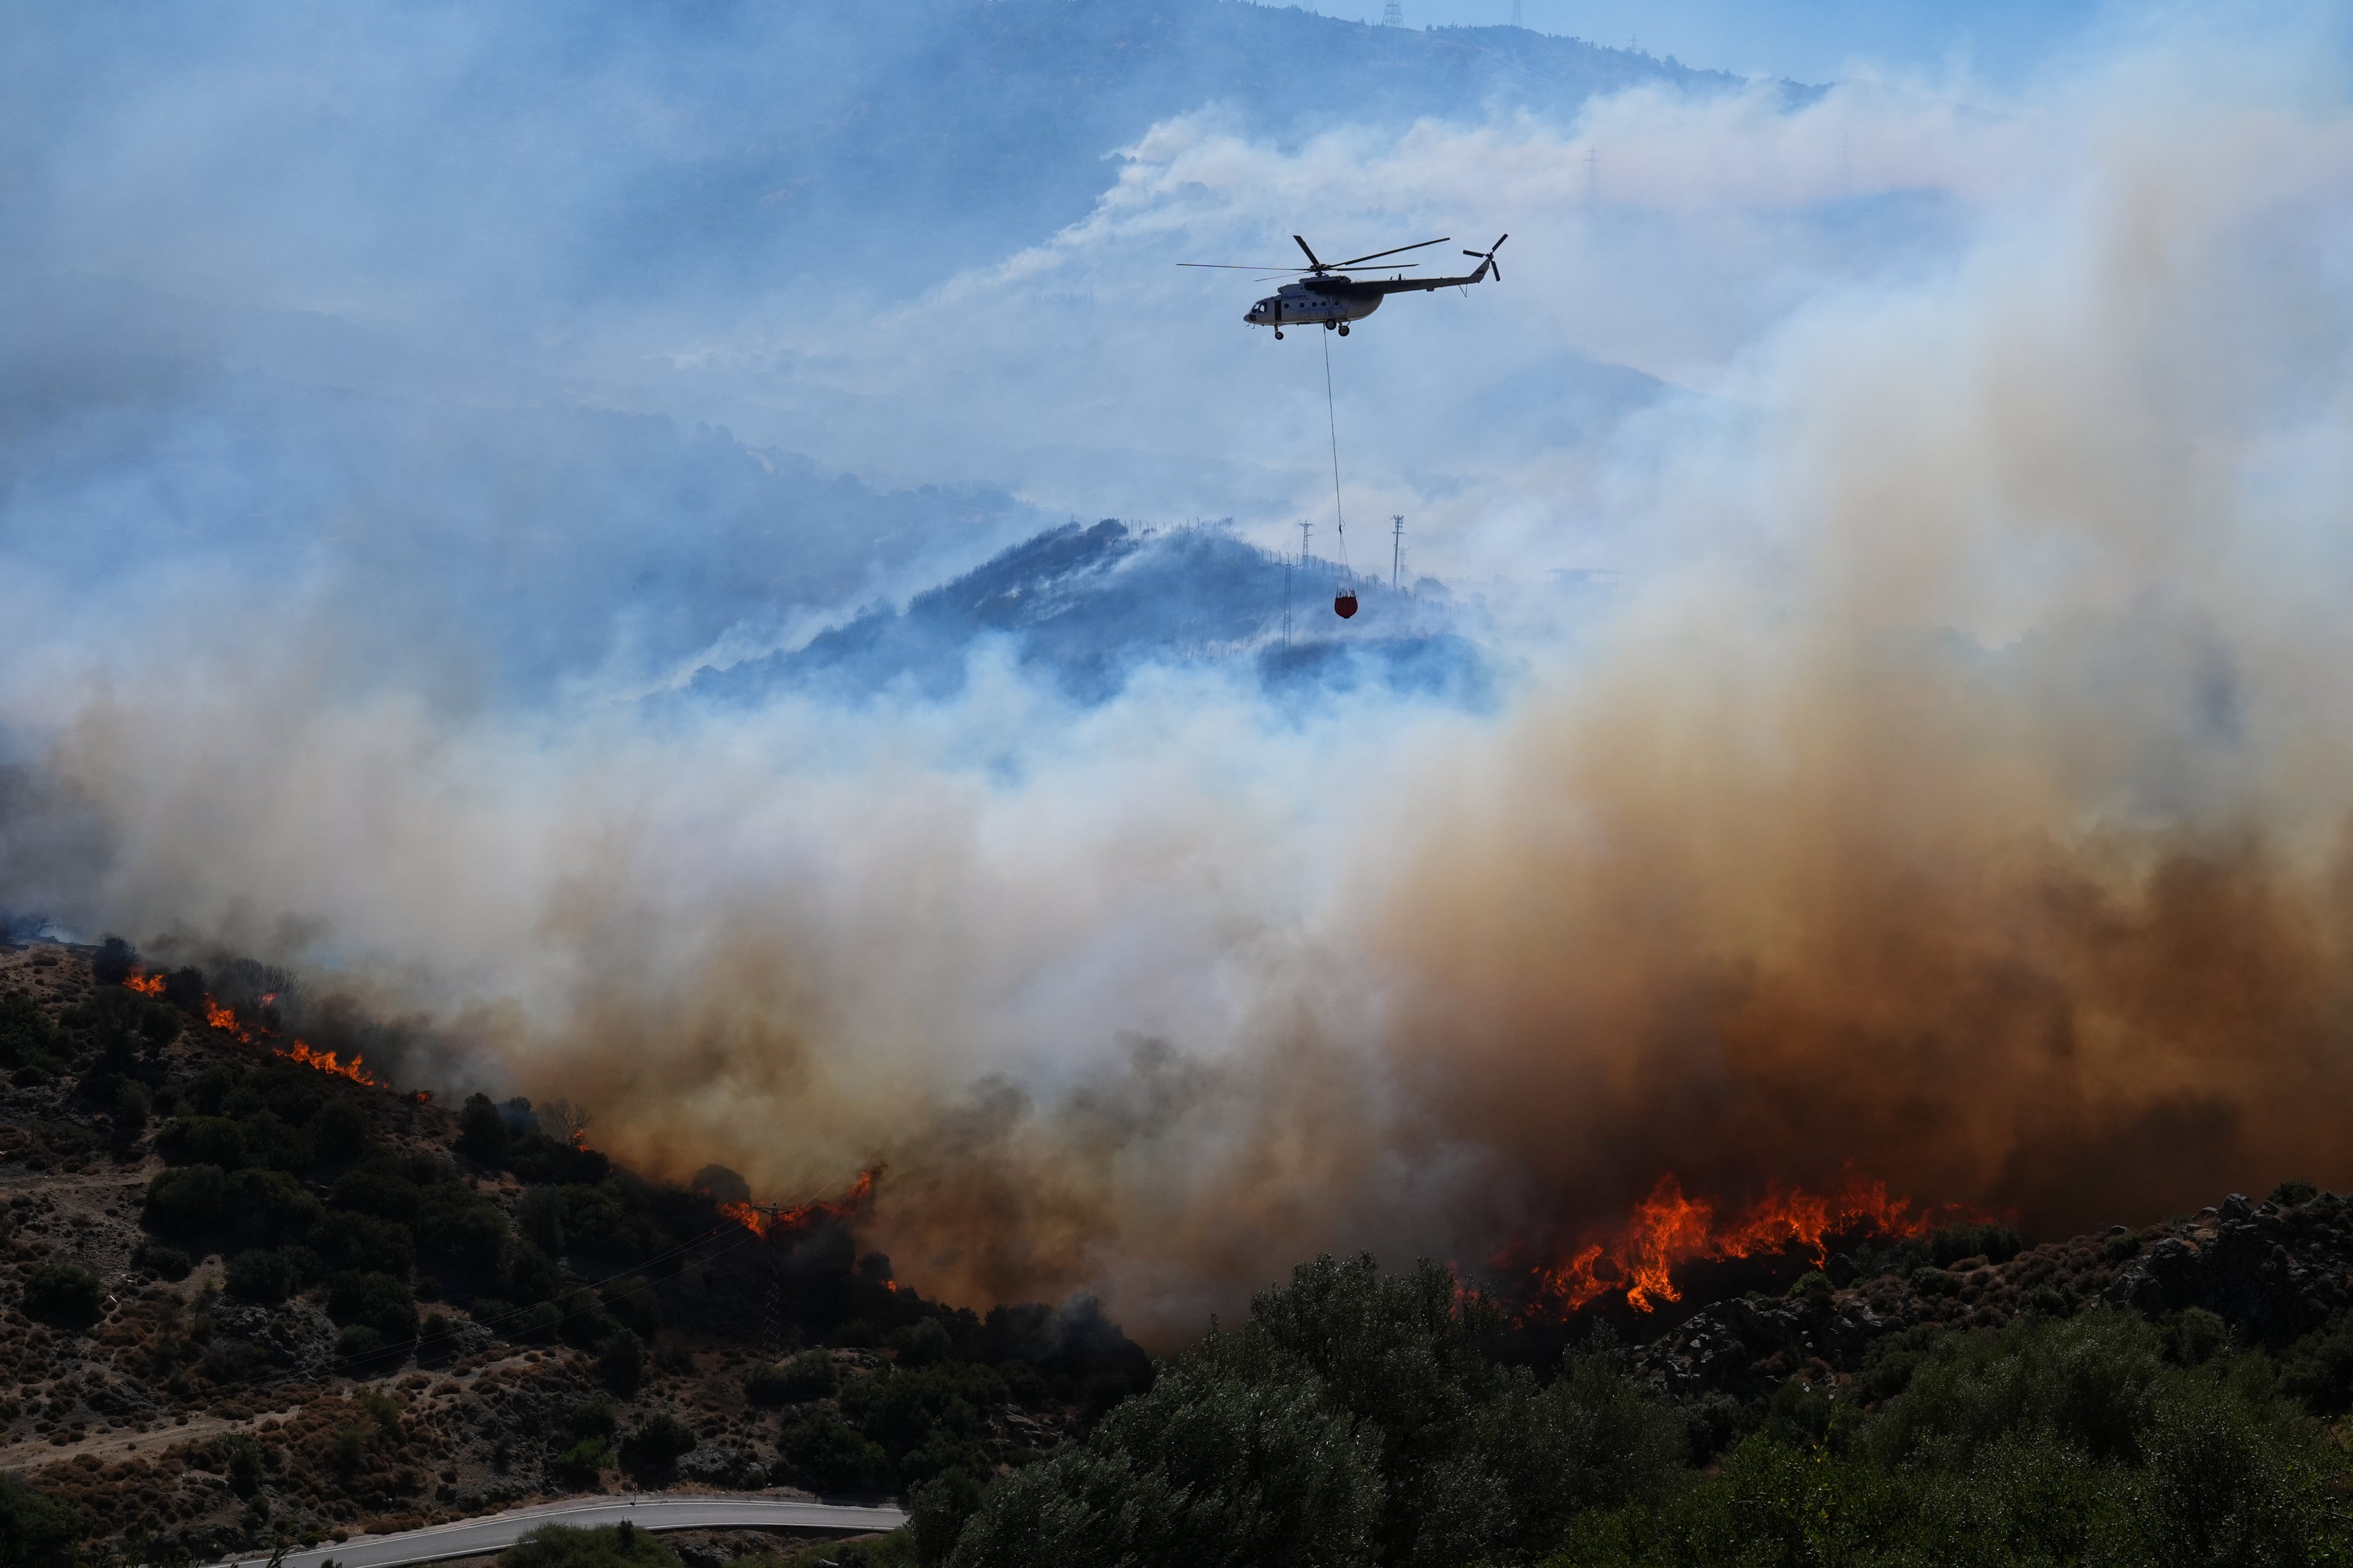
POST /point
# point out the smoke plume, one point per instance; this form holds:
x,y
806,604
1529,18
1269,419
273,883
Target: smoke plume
x,y
1955,789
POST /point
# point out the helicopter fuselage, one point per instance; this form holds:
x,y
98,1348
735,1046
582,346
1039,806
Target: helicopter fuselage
x,y
1324,301
1332,299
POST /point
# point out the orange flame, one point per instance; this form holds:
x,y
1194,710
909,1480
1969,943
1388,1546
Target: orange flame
x,y
221,1018
1668,1230
325,1061
765,1223
146,984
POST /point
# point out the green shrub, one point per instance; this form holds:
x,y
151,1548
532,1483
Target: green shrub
x,y
481,1130
2116,1249
377,1300
595,1418
808,1375
205,1139
1811,1286
579,1465
922,1343
28,1033
339,1131
63,1295
657,1444
34,1532
270,1275
634,1306
1994,1243
366,1243
186,1200
564,1546
832,1455
163,1262
2294,1195
621,1362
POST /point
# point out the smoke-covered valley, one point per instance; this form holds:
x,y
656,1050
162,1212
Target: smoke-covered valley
x,y
709,563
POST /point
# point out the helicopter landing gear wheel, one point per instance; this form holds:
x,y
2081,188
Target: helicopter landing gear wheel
x,y
1278,334
1344,328
1329,325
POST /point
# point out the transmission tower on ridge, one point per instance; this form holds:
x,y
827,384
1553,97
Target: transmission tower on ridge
x,y
1516,13
1396,547
1393,14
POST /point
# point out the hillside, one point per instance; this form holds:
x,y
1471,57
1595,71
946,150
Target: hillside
x,y
1085,607
252,1298
255,1295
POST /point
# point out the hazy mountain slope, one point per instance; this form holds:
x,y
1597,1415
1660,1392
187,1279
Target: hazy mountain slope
x,y
1086,607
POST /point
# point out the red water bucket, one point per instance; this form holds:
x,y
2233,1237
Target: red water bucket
x,y
1343,603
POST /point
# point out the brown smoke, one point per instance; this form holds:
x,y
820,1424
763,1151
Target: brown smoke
x,y
1959,793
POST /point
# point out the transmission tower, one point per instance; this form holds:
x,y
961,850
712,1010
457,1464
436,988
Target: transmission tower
x,y
1396,547
1516,13
1393,14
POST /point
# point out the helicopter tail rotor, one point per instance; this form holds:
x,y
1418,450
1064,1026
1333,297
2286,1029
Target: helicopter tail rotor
x,y
1488,256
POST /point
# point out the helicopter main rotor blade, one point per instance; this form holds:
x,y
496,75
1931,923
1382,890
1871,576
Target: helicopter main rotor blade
x,y
1242,267
1394,250
1316,265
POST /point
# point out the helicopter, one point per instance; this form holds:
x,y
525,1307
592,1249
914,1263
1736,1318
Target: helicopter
x,y
1326,294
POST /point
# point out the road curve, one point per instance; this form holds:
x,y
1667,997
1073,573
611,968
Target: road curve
x,y
647,1510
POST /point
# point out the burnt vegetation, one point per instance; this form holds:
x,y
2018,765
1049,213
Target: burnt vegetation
x,y
254,1301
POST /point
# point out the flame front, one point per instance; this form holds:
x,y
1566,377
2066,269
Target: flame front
x,y
1668,1230
325,1061
146,984
765,1223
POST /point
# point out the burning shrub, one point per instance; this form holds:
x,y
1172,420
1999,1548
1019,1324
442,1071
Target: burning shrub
x,y
63,1295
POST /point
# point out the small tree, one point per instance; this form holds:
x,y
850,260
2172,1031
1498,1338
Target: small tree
x,y
481,1129
64,1295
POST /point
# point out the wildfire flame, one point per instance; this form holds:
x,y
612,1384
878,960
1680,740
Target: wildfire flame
x,y
1668,1230
221,1018
325,1061
146,984
765,1223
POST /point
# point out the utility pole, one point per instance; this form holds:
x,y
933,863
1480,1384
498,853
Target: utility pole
x,y
1396,547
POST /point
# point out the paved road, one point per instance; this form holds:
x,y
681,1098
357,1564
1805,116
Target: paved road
x,y
650,1510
